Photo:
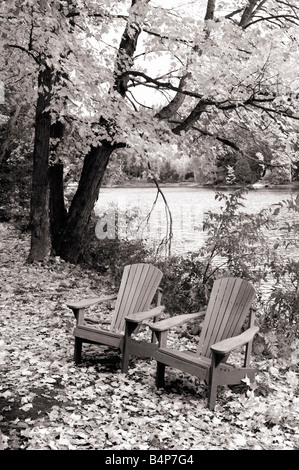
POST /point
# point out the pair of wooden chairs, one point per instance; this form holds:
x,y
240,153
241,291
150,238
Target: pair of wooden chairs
x,y
229,306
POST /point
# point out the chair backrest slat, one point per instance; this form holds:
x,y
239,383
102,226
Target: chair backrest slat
x,y
126,304
241,308
141,281
228,306
137,289
121,293
149,288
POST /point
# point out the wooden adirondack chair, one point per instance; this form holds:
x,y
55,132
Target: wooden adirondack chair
x,y
139,285
229,305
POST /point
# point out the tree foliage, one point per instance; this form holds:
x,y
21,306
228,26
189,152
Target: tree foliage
x,y
121,76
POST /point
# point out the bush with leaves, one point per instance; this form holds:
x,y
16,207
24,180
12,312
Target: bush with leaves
x,y
15,186
182,284
112,254
238,243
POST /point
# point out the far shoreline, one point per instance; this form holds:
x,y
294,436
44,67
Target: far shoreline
x,y
186,184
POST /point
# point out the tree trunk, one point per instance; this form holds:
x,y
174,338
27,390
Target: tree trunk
x,y
73,234
252,7
75,229
128,44
210,10
39,209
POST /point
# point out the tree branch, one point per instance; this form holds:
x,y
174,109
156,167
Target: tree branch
x,y
249,12
210,10
160,84
127,48
275,111
15,46
272,19
163,37
174,105
196,112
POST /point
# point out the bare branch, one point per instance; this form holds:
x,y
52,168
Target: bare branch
x,y
160,84
174,105
140,104
282,112
273,19
166,38
233,13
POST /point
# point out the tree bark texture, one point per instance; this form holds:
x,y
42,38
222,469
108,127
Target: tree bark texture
x,y
174,105
128,44
210,10
251,9
191,119
39,209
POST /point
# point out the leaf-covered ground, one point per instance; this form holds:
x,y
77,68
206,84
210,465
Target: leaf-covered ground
x,y
48,403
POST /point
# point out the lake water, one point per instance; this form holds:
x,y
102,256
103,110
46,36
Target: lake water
x,y
188,206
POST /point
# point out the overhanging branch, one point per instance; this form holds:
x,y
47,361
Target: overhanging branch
x,y
23,49
160,84
275,111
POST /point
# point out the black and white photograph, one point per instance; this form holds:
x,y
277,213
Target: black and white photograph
x,y
149,229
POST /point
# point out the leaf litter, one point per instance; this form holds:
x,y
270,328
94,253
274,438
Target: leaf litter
x,y
49,403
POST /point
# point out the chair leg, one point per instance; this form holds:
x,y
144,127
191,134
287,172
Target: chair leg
x,y
78,350
160,375
125,360
127,341
212,394
214,380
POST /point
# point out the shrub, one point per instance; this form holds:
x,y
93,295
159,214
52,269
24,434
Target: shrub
x,y
282,307
111,255
238,242
182,284
15,187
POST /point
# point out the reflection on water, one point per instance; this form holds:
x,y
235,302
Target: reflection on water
x,y
187,204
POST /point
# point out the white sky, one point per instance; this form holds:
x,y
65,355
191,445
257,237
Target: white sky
x,y
190,5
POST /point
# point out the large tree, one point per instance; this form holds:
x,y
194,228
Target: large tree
x,y
208,70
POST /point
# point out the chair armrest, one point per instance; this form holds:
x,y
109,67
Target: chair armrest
x,y
227,345
171,322
78,304
141,316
